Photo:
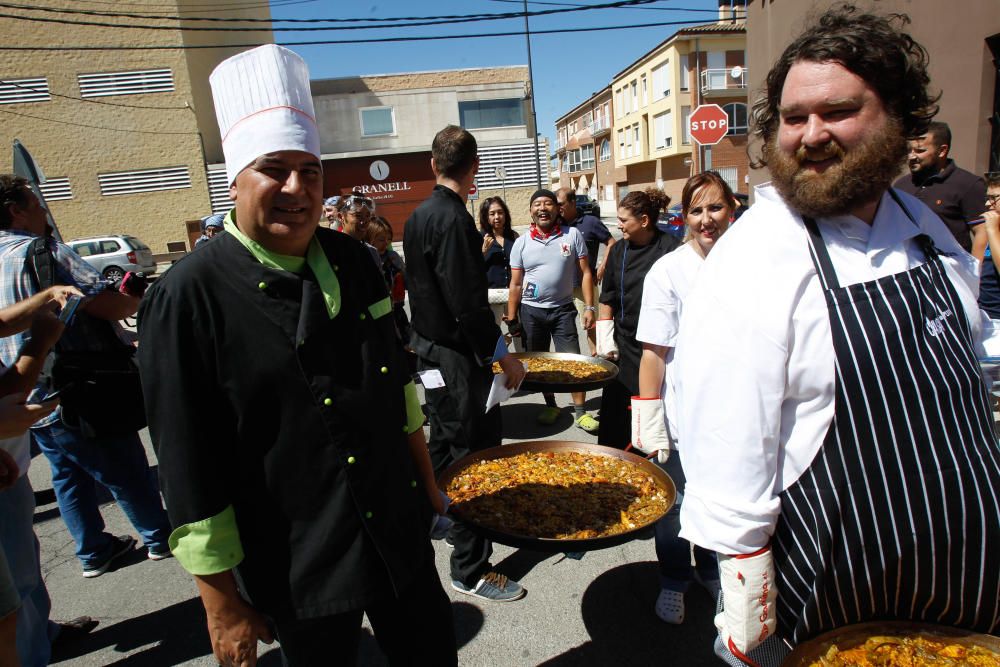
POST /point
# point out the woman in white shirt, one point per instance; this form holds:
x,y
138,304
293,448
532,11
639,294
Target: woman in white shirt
x,y
707,204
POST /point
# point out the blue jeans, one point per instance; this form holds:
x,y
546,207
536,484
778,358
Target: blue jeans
x,y
20,546
673,552
542,324
120,464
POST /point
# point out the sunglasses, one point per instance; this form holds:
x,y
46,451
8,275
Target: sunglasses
x,y
358,201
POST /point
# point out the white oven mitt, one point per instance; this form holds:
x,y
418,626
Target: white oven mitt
x,y
748,596
606,346
649,428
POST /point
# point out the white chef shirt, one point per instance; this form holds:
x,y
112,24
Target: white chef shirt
x,y
667,284
755,363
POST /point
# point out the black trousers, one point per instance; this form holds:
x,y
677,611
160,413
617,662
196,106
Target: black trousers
x,y
616,418
416,628
459,426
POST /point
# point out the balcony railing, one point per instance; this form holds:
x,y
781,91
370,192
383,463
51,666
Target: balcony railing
x,y
723,79
600,124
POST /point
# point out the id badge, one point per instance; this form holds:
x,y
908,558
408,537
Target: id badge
x,y
530,291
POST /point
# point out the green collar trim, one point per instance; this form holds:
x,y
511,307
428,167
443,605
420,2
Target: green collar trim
x,y
315,259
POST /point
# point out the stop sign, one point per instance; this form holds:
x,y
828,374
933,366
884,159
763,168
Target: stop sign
x,y
708,124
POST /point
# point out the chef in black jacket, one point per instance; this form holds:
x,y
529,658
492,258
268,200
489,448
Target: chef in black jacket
x,y
456,339
305,497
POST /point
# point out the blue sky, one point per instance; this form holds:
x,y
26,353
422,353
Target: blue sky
x,y
567,67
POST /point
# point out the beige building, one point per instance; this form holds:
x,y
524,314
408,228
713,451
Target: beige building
x,y
654,96
123,136
962,40
376,134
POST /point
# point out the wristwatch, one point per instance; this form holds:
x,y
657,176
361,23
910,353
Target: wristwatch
x,y
591,308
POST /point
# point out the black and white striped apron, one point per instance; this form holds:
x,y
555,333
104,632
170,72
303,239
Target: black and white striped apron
x,y
898,516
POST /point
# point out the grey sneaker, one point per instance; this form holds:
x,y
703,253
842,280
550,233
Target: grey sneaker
x,y
158,554
120,546
494,587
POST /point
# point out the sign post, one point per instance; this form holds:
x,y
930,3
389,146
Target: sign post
x,y
473,196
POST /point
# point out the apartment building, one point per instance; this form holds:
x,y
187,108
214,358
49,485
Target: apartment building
x,y
962,41
122,135
583,146
654,96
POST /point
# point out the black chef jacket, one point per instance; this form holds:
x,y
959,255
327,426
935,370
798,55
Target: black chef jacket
x,y
621,289
258,400
446,277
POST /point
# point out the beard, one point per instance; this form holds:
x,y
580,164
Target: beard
x,y
859,175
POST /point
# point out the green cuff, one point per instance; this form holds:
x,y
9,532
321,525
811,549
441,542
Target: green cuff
x,y
414,413
380,308
209,546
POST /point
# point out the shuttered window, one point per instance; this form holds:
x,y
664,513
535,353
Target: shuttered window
x,y
56,189
519,162
146,180
126,83
218,190
18,91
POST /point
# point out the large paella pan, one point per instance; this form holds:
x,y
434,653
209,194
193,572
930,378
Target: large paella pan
x,y
562,372
554,495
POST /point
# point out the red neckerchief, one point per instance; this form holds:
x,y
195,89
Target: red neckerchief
x,y
539,235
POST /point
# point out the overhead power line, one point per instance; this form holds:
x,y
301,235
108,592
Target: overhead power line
x,y
210,7
364,40
92,127
376,20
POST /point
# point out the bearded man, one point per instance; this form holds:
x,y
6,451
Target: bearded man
x,y
852,474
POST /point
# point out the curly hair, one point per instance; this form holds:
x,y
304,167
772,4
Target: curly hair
x,y
484,216
649,203
871,46
13,191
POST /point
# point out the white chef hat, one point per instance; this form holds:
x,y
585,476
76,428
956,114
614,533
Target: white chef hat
x,y
263,105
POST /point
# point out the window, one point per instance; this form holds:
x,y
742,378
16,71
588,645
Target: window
x,y
628,142
730,176
109,246
145,180
17,91
587,156
717,72
645,91
636,150
618,103
588,120
685,72
621,144
605,151
661,81
627,102
55,189
605,115
736,114
663,130
491,113
377,121
126,83
573,127
635,95
574,159
685,125
565,163
84,249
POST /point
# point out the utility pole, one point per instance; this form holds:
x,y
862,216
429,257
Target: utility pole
x,y
531,84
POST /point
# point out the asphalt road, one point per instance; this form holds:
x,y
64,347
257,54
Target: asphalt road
x,y
594,611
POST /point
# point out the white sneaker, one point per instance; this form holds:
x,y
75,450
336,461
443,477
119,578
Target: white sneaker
x,y
670,607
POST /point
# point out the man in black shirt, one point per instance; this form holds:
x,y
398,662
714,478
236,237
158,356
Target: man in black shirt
x,y
953,193
456,339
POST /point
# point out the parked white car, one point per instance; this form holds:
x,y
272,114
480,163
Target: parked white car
x,y
114,256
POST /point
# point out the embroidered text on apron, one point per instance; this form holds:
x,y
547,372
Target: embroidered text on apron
x,y
898,516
